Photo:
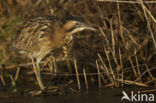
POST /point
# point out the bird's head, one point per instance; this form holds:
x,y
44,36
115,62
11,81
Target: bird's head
x,y
76,25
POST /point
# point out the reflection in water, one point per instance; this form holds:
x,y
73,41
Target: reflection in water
x,y
92,96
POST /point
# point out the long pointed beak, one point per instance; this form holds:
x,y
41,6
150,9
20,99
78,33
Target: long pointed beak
x,y
87,27
81,27
90,28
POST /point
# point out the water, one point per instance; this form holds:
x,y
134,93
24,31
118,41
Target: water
x,y
92,96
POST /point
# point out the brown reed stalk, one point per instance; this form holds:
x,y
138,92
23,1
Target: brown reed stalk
x,y
110,67
17,74
132,82
130,36
135,73
148,91
85,78
106,39
108,85
127,1
98,72
115,59
121,67
150,81
12,81
69,66
2,79
113,39
1,8
120,31
4,53
106,69
150,74
145,10
137,63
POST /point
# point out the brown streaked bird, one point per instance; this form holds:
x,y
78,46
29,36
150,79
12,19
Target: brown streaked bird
x,y
40,35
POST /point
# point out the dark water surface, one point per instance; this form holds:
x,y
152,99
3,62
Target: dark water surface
x,y
106,95
91,96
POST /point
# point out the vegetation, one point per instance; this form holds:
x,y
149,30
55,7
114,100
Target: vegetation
x,y
121,53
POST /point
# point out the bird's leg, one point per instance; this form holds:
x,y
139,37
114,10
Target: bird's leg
x,y
38,76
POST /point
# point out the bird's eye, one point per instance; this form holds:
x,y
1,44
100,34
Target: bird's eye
x,y
77,23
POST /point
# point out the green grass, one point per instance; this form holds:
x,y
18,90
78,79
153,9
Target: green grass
x,y
8,28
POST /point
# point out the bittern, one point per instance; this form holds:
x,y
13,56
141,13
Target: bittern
x,y
40,35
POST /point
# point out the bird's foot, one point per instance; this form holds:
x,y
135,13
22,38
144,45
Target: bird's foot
x,y
51,58
48,90
37,93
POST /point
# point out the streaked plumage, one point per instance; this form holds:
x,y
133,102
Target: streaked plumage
x,y
40,35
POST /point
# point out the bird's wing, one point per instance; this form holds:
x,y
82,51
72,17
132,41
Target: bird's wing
x,y
28,35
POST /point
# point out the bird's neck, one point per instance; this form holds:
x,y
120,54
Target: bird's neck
x,y
61,37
